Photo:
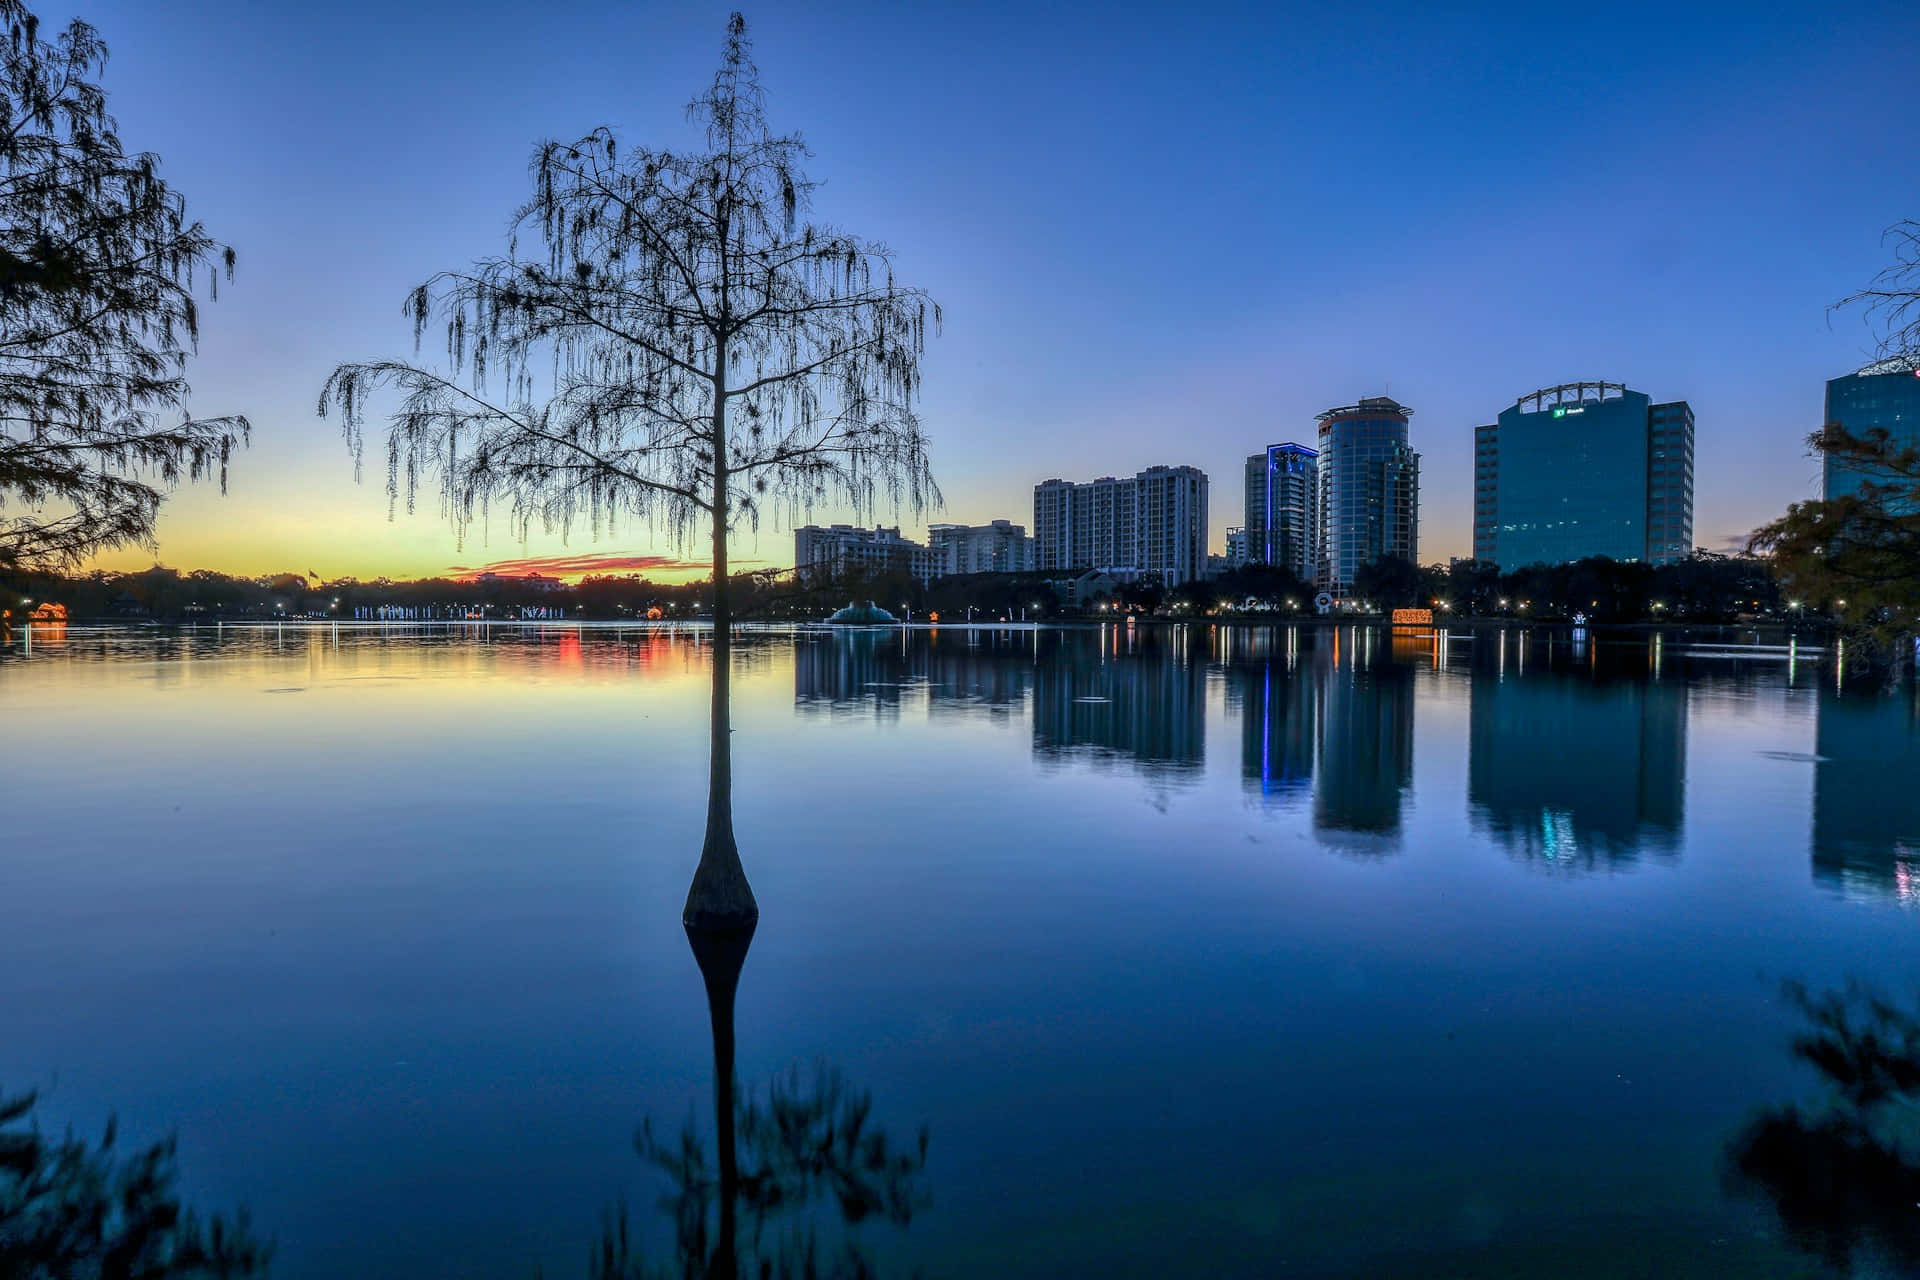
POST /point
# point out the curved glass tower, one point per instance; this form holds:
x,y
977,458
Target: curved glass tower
x,y
1369,490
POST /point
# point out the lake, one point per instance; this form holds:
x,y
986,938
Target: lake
x,y
1214,952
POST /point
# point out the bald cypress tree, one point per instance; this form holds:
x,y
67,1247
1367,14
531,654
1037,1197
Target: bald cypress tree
x,y
99,270
667,340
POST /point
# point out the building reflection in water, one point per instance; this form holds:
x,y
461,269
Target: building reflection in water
x,y
1112,694
1274,694
1095,694
1575,763
863,669
1327,714
984,673
1866,795
1364,741
874,671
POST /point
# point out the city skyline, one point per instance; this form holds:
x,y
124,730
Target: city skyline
x,y
1055,359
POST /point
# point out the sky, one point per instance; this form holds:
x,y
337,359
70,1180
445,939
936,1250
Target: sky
x,y
1160,234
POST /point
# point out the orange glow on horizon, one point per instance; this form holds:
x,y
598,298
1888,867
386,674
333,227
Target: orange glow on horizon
x,y
570,569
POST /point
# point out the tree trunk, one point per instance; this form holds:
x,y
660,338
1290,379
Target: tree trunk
x,y
721,953
720,897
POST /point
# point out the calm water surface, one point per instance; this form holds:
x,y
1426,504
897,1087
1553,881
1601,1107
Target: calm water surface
x,y
1243,952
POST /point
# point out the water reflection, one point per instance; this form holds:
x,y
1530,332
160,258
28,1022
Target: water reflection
x,y
1844,1176
348,1005
802,1162
71,1210
1277,702
1365,745
855,669
1328,715
1111,696
1095,695
1866,795
1578,768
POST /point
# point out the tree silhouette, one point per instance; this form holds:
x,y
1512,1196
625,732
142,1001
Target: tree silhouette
x,y
810,1150
1845,1179
67,1209
1863,547
682,349
1892,298
98,271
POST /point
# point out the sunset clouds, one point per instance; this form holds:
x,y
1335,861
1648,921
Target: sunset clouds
x,y
576,566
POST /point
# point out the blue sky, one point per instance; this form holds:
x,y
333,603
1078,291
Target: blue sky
x,y
1160,233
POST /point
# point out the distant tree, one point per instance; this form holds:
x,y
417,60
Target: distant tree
x,y
1473,586
1392,582
1269,586
99,267
1144,595
1598,588
1712,586
681,349
68,1209
1197,595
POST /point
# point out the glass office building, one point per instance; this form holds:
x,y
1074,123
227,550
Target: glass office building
x,y
1282,502
1584,469
1369,491
1883,396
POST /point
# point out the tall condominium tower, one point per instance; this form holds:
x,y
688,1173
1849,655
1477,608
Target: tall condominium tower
x,y
1883,396
1584,469
1283,501
1153,524
1369,490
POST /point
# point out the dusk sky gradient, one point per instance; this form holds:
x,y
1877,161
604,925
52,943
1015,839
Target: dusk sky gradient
x,y
1161,234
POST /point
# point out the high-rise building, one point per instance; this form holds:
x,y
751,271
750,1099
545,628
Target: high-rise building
x,y
1282,506
835,550
1236,548
996,547
1369,491
1584,469
1883,396
1153,524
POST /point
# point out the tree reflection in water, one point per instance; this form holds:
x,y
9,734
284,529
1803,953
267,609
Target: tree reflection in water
x,y
788,1162
808,1154
67,1209
1845,1179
